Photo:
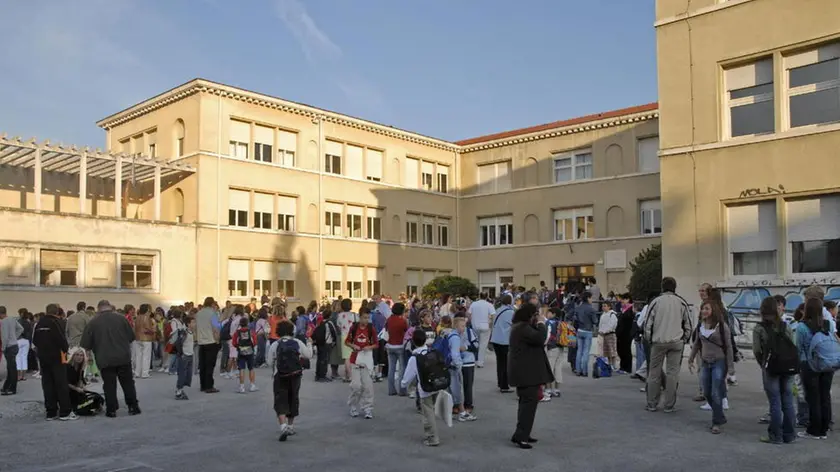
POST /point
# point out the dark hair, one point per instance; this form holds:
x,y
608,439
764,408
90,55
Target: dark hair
x,y
52,309
177,313
263,313
829,304
506,299
243,322
799,313
586,296
592,280
145,308
482,295
346,304
398,309
128,308
238,309
525,313
301,310
364,310
188,319
285,328
780,299
418,338
313,305
81,306
813,314
209,302
769,311
669,284
446,321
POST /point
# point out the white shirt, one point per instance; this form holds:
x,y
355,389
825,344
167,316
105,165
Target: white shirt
x,y
480,312
608,323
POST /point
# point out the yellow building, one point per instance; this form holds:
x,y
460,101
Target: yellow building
x,y
750,101
208,189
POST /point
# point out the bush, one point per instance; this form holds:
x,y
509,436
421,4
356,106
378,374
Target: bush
x,y
646,273
455,286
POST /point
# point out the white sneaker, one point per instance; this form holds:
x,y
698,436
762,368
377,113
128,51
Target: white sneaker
x,y
462,417
546,398
411,395
253,388
368,415
241,388
706,407
225,375
72,416
725,403
354,413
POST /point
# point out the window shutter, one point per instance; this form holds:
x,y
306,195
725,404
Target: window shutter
x,y
486,174
354,274
334,207
239,200
237,269
240,131
59,260
353,162
649,205
264,135
137,259
503,177
648,154
287,140
752,227
372,273
355,210
486,278
412,277
264,203
263,270
374,164
428,275
332,273
286,205
334,148
750,75
428,168
814,219
286,271
101,269
412,179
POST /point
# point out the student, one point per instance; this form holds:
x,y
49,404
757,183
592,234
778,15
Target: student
x,y
324,338
586,320
817,384
184,343
233,352
396,327
244,340
262,328
301,323
469,353
554,354
345,319
769,335
606,328
287,359
712,342
427,400
361,340
451,337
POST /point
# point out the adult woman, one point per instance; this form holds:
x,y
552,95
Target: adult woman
x,y
83,402
817,384
586,320
712,343
624,334
262,329
768,335
528,369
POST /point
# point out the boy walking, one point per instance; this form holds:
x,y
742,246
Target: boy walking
x,y
244,341
184,343
286,358
362,340
427,399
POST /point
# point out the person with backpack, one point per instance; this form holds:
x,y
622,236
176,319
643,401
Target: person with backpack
x,y
229,329
325,337
500,338
261,328
288,357
469,353
429,380
819,354
243,346
449,343
361,340
716,358
183,345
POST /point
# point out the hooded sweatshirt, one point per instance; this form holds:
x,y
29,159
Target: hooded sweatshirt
x,y
49,340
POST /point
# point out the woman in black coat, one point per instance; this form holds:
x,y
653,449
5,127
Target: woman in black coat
x,y
624,333
528,368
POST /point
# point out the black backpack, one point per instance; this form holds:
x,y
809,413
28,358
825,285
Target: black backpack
x,y
432,371
225,334
178,345
288,360
245,345
782,357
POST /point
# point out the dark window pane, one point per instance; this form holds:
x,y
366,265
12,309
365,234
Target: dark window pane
x,y
231,217
814,108
755,118
816,256
751,91
815,73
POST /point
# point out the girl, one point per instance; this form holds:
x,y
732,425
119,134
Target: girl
x,y
554,354
715,349
606,328
83,402
817,384
261,328
779,388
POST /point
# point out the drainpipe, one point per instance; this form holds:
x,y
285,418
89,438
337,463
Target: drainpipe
x,y
318,290
456,226
219,200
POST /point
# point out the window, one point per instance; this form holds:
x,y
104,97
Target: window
x,y
494,178
374,223
332,161
286,279
354,221
179,138
237,278
374,165
495,231
263,274
17,266
136,270
491,281
333,281
427,175
374,286
238,204
240,136
412,282
412,168
354,162
651,217
813,230
577,166
428,230
151,143
101,269
752,238
749,98
443,179
565,274
286,148
239,150
648,152
286,211
332,218
574,223
354,281
411,228
152,150
443,232
814,86
263,143
263,209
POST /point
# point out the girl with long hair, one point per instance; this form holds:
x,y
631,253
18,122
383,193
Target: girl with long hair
x,y
817,384
712,343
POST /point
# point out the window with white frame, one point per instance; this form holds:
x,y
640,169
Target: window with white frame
x,y
151,143
443,232
332,218
263,143
354,221
240,136
263,276
813,232
286,212
651,211
442,178
574,223
136,270
491,281
427,175
648,152
239,201
813,86
749,99
495,231
59,268
286,279
354,281
374,284
238,278
374,223
752,238
332,277
286,148
354,161
17,266
572,166
101,269
263,209
427,230
412,223
373,165
332,158
493,178
412,169
412,282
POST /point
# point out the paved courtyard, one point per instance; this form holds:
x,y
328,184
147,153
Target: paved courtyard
x,y
598,425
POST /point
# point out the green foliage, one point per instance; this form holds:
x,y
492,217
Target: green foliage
x,y
646,276
455,286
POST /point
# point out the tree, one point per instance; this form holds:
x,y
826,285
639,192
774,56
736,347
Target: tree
x,y
455,286
646,273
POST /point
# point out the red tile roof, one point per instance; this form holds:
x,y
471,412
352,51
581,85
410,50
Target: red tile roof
x,y
560,124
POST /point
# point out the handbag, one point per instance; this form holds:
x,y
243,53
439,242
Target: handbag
x,y
383,335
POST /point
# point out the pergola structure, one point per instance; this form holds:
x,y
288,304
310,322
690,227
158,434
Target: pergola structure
x,y
85,163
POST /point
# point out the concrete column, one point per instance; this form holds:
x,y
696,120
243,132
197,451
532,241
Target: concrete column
x,y
83,183
118,187
38,179
157,192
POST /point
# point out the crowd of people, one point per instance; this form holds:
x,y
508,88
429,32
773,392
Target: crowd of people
x,y
429,350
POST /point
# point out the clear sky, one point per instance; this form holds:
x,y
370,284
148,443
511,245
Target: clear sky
x,y
452,69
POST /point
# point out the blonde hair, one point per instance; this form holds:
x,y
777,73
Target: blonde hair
x,y
72,353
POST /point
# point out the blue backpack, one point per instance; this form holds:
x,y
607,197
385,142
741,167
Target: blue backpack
x,y
441,345
824,353
602,368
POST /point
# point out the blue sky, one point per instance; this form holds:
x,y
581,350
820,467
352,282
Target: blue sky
x,y
451,69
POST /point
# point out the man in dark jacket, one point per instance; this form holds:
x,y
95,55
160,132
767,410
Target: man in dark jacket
x,y
109,336
51,343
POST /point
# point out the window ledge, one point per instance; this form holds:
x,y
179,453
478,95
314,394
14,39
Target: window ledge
x,y
556,243
743,141
561,184
59,288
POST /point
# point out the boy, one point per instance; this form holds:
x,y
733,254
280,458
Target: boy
x,y
453,341
427,400
469,353
183,342
554,354
286,358
324,337
606,328
361,340
244,341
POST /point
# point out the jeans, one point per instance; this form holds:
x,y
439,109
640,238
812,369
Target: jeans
x,y
468,376
713,380
173,363
206,364
501,351
185,366
818,395
56,391
640,356
225,347
395,355
262,346
802,413
779,390
23,355
584,343
456,388
110,375
10,385
322,361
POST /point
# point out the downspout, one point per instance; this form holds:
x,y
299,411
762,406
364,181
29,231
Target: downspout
x,y
320,228
218,198
456,226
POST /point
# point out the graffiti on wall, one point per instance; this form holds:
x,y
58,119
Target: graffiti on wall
x,y
762,191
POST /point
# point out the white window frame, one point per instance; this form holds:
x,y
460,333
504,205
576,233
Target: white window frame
x,y
262,210
728,104
78,273
427,231
263,278
442,178
332,280
354,218
412,282
500,180
373,281
493,280
650,208
238,279
239,150
641,144
333,160
355,282
373,223
242,214
333,215
574,214
493,227
286,213
286,148
573,165
829,52
373,164
412,228
285,276
443,232
427,175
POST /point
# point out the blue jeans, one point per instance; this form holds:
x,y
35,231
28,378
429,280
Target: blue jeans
x,y
779,390
262,346
173,363
395,356
713,380
584,343
640,355
185,364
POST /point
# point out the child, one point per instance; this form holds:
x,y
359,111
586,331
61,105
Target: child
x,y
606,328
453,341
324,337
469,352
427,400
183,341
554,354
362,340
286,359
244,341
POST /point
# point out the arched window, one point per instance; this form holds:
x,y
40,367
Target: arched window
x,y
179,205
178,134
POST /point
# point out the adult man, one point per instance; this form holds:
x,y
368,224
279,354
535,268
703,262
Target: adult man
x,y
109,336
207,328
595,290
10,330
50,342
481,316
668,325
501,342
76,324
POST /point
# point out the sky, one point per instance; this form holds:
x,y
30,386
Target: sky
x,y
451,69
